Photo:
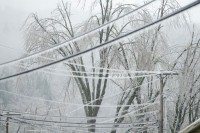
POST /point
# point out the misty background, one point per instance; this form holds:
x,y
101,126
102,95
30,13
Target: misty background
x,y
14,13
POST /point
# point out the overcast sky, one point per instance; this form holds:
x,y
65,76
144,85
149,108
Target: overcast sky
x,y
13,13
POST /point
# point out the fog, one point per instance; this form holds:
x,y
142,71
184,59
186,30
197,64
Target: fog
x,y
14,13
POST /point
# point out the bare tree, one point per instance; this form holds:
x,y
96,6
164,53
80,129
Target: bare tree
x,y
139,53
187,104
142,53
43,33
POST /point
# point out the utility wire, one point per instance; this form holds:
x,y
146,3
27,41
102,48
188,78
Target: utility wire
x,y
88,105
27,114
82,35
56,127
66,71
89,66
116,76
109,97
82,106
18,121
75,126
89,126
108,42
127,114
76,123
115,71
92,75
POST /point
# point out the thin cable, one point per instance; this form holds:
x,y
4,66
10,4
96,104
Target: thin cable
x,y
108,42
111,75
24,114
104,98
119,72
135,115
56,128
107,106
93,67
80,126
87,66
80,36
125,114
82,106
135,127
76,64
16,119
39,125
115,71
109,97
96,99
47,127
102,77
74,123
40,131
52,101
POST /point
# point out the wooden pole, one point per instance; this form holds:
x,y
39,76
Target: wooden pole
x,y
7,123
161,104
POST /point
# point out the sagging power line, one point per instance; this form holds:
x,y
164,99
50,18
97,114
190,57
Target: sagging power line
x,y
106,43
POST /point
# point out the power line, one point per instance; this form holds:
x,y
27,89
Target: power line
x,y
52,101
82,35
40,125
45,127
77,123
80,125
82,106
61,126
107,97
81,117
92,75
108,42
16,119
57,127
93,67
125,114
129,113
115,71
102,77
76,64
26,114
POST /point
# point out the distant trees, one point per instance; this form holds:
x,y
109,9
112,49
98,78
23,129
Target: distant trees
x,y
42,33
145,51
186,106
